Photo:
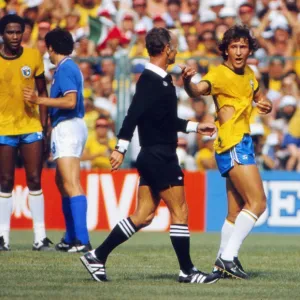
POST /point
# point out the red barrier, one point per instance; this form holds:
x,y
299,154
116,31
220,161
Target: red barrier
x,y
111,197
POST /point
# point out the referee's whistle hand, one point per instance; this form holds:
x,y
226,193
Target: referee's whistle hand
x,y
207,129
116,160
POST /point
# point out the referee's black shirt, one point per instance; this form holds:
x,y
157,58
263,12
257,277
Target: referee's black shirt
x,y
154,110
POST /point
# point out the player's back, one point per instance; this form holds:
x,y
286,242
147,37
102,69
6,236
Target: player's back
x,y
67,79
16,116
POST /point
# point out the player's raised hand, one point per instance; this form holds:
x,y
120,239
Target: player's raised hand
x,y
30,95
207,129
116,160
264,106
187,72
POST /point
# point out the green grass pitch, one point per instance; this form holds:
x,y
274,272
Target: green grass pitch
x,y
146,268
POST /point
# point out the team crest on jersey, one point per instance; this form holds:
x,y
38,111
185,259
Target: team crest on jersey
x,y
26,71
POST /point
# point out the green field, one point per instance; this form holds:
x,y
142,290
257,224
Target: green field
x,y
146,268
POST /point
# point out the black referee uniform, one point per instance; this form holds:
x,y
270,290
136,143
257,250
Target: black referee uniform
x,y
154,111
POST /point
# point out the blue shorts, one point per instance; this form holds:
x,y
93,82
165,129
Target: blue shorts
x,y
242,153
16,140
290,140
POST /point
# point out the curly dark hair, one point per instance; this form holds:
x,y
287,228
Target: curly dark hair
x,y
156,40
60,40
11,19
235,33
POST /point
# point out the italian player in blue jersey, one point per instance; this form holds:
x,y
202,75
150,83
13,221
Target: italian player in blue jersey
x,y
68,137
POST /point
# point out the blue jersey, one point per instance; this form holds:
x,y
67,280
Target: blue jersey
x,y
67,79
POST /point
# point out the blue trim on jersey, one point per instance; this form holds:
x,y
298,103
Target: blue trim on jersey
x,y
242,153
67,78
16,140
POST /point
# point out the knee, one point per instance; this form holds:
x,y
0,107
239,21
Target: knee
x,y
69,187
34,182
7,183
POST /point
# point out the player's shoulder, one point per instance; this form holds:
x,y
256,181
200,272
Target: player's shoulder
x,y
69,67
31,52
248,70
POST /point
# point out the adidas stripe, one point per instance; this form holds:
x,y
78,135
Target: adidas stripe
x,y
179,231
126,227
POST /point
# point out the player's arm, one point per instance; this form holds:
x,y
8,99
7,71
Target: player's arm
x,y
192,89
68,101
41,87
191,126
141,101
263,104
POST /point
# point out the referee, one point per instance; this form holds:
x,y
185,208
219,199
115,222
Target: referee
x,y
154,111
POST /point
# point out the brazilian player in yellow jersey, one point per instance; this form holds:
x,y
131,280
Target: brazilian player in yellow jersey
x,y
21,128
234,87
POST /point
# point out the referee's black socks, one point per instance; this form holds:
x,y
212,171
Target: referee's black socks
x,y
180,237
120,233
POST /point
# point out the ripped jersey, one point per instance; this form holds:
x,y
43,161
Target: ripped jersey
x,y
236,90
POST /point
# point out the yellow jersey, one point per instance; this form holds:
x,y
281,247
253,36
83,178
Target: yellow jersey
x,y
231,89
16,116
293,127
94,147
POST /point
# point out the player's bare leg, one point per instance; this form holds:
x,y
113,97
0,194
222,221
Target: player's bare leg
x,y
32,155
247,181
7,161
95,260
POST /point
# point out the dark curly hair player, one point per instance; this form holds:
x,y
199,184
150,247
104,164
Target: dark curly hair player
x,y
68,137
234,88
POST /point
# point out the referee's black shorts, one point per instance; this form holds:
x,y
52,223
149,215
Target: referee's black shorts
x,y
159,168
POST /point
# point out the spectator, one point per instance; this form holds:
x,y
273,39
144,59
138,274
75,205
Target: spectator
x,y
205,157
140,7
186,161
100,145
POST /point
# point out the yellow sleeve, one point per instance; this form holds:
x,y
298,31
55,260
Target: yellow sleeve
x,y
112,143
212,79
88,143
40,64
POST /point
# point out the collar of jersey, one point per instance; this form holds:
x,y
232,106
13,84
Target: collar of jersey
x,y
159,71
62,61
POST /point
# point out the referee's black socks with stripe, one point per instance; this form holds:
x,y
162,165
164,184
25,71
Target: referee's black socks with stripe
x,y
120,233
180,237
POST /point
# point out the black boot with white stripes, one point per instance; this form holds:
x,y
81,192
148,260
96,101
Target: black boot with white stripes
x,y
94,266
197,276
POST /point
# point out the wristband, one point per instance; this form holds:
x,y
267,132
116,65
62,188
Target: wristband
x,y
120,149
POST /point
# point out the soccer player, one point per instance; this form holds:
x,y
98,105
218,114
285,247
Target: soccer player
x,y
154,111
68,137
22,126
234,87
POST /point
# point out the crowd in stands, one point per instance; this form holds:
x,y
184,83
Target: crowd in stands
x,y
103,29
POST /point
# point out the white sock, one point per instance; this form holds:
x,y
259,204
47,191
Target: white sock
x,y
5,214
243,225
36,205
226,233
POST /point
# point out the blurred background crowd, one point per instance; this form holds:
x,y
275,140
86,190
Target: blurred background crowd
x,y
105,30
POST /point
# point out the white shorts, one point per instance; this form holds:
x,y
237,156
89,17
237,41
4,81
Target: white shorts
x,y
68,138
